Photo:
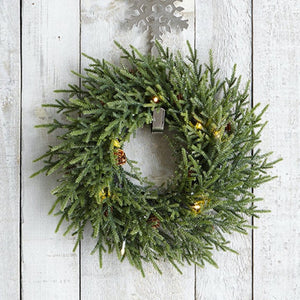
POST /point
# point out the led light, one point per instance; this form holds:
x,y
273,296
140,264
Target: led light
x,y
104,194
155,99
217,134
198,206
198,126
117,144
123,248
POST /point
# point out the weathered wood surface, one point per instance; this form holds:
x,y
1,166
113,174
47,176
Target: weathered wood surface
x,y
277,82
50,270
225,27
9,149
53,34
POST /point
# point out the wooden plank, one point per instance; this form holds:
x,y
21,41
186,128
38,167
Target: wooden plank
x,y
9,148
100,26
50,50
276,82
225,27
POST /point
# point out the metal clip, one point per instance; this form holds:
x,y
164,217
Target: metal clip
x,y
158,123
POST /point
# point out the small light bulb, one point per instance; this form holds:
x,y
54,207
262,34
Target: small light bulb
x,y
197,207
123,248
217,133
104,194
155,99
117,144
198,126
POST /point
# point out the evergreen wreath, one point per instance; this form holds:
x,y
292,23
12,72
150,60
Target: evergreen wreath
x,y
215,134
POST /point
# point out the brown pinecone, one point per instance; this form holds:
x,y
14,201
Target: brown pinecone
x,y
106,212
154,221
228,127
190,173
68,168
132,71
179,97
121,157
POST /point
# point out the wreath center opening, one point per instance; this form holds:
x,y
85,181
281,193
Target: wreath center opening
x,y
153,155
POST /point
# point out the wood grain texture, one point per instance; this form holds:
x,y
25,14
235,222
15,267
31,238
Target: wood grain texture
x,y
225,27
9,148
50,50
101,24
277,82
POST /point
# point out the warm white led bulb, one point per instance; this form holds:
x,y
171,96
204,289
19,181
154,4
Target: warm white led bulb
x,y
155,99
123,248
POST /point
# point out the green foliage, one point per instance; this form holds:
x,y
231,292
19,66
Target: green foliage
x,y
215,140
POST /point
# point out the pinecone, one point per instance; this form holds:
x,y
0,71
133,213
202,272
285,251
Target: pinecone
x,y
154,221
228,127
106,212
121,157
132,71
179,97
190,173
68,168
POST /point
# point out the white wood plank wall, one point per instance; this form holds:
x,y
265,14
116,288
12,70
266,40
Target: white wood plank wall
x,y
50,48
276,75
10,86
40,42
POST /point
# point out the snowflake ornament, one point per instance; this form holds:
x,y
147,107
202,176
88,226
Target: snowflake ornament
x,y
157,16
